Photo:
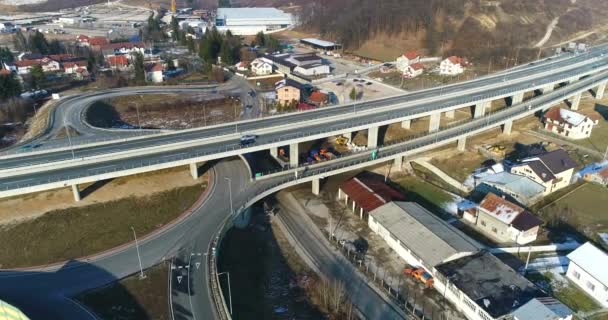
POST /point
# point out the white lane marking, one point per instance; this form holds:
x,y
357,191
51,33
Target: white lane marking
x,y
104,167
23,180
189,293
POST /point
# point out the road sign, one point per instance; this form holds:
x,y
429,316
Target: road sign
x,y
198,264
374,154
179,279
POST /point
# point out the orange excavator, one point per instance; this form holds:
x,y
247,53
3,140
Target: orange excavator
x,y
420,274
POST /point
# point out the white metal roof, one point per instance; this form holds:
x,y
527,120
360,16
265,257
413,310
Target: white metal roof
x,y
249,14
592,260
319,42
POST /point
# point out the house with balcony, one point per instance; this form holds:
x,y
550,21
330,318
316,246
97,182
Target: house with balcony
x,y
569,124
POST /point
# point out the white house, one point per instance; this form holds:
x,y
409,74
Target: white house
x,y
242,66
154,73
553,170
588,270
451,66
261,67
413,70
406,59
315,69
503,221
49,65
568,123
72,67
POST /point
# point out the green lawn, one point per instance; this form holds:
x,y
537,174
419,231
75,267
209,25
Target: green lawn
x,y
79,231
599,137
423,192
132,298
460,166
566,292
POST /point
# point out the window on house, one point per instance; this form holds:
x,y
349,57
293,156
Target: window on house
x,y
494,230
469,304
576,274
590,285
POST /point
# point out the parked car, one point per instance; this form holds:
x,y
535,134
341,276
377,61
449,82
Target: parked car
x,y
248,139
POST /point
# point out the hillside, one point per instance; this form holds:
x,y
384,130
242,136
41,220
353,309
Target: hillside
x,y
472,28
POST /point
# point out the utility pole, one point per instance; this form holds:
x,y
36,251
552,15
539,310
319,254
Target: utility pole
x,y
141,269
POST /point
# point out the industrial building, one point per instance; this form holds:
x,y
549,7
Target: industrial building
x,y
320,44
249,21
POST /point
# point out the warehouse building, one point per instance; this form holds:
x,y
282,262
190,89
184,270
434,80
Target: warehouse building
x,y
320,44
250,21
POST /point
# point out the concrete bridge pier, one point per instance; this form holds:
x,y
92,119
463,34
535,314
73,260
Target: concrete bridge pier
x,y
480,109
406,124
506,128
76,192
462,143
599,94
434,122
316,186
450,114
294,155
575,101
372,137
548,88
517,98
194,171
398,164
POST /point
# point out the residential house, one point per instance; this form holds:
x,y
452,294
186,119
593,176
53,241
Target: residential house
x,y
29,56
303,106
261,67
118,62
367,192
312,70
503,221
81,74
452,66
598,175
484,288
24,66
553,169
318,98
72,67
96,43
82,40
419,237
242,66
568,123
305,59
587,269
413,70
519,188
123,48
288,91
543,308
154,72
406,59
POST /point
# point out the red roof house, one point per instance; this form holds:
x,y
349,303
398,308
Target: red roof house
x,y
367,191
318,98
117,61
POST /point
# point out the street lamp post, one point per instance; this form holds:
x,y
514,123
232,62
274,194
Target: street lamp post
x,y
67,131
230,193
229,293
141,269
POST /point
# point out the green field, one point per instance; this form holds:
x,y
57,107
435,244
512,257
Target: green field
x,y
582,209
132,298
79,231
566,292
428,195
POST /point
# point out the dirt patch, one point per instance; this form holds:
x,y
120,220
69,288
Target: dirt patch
x,y
164,111
34,205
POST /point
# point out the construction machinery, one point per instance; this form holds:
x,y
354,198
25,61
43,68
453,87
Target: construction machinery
x,y
341,141
420,274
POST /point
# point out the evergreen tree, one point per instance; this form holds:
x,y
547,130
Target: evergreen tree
x,y
260,39
6,55
170,65
140,73
353,94
36,76
91,62
9,86
38,43
175,28
226,53
20,42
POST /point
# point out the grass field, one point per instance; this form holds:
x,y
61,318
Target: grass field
x,y
80,231
132,298
423,192
461,165
582,210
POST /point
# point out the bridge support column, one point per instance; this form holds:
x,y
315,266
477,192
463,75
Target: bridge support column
x,y
194,171
76,192
294,155
406,124
316,186
372,137
450,114
462,142
599,94
548,88
575,101
398,164
506,128
274,152
480,108
517,98
434,122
